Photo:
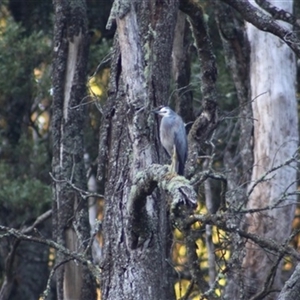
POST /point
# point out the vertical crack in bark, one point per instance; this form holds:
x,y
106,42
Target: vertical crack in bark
x,y
140,29
73,46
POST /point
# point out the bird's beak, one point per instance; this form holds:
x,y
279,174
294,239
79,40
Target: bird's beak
x,y
156,110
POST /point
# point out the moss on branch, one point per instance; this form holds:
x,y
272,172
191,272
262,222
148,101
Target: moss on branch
x,y
181,194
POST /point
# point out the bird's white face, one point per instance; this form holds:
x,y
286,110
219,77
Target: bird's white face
x,y
164,111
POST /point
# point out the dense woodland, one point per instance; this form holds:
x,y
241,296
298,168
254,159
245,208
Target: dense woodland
x,y
88,206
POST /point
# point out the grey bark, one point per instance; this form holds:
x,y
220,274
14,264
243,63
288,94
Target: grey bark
x,y
70,211
275,141
238,156
291,289
207,121
265,22
139,81
181,62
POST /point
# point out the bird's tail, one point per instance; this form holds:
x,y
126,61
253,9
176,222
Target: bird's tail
x,y
180,169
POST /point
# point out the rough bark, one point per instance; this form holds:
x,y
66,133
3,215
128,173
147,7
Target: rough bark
x,y
236,50
139,80
238,156
201,133
183,95
267,23
275,140
70,214
207,121
291,289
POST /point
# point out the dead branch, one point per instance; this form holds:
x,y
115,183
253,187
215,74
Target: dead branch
x,y
205,124
264,176
8,278
278,14
84,194
11,232
264,22
181,194
266,289
221,220
48,287
42,218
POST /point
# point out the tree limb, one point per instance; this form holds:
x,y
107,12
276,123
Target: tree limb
x,y
266,23
11,232
221,220
206,123
278,14
177,187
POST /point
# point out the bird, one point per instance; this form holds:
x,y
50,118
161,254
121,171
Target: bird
x,y
173,138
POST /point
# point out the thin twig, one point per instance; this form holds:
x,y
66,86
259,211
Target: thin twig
x,y
263,177
84,194
80,257
48,285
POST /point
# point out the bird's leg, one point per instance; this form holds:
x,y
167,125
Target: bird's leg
x,y
172,168
174,161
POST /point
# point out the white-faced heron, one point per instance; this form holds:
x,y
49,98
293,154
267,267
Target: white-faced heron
x,y
173,138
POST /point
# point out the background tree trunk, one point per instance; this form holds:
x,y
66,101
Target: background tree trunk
x,y
70,214
136,267
273,71
138,256
291,288
237,158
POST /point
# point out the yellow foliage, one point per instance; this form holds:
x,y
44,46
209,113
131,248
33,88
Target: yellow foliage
x,y
94,88
51,257
38,73
200,247
181,288
288,265
182,250
178,234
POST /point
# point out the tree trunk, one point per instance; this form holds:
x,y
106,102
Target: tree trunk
x,y
181,70
239,160
275,140
136,251
291,289
70,211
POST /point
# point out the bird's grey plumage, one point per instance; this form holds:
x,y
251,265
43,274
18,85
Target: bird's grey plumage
x,y
173,136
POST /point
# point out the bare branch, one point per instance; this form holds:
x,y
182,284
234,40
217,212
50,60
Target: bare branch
x,y
264,176
266,290
74,255
84,194
42,218
48,285
277,13
177,187
206,123
8,278
264,22
222,221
